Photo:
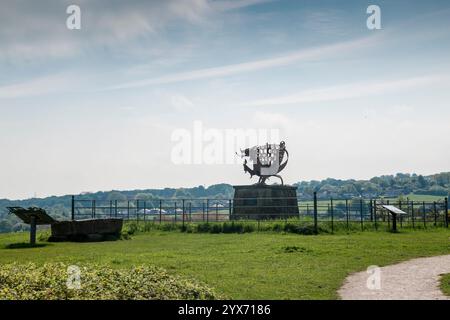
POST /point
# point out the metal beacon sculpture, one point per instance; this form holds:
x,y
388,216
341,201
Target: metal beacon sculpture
x,y
261,200
268,161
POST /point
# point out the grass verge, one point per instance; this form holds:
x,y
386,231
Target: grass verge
x,y
264,265
445,284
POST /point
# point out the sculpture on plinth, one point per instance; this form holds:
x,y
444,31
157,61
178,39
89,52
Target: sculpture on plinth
x,y
262,201
268,160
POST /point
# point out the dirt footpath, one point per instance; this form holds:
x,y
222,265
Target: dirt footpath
x,y
416,279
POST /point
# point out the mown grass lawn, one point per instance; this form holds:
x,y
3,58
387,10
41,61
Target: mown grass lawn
x,y
445,284
246,266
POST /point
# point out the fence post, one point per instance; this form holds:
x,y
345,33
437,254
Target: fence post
x,y
299,206
217,212
332,216
347,212
160,211
183,215
137,210
315,213
73,208
424,215
93,209
412,214
145,209
110,208
328,210
175,211
435,213
115,208
128,210
361,209
190,211
371,211
229,209
375,214
203,211
446,212
207,210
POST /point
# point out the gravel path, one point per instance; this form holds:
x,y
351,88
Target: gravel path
x,y
416,279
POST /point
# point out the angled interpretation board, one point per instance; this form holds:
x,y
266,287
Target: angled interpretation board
x,y
394,211
32,216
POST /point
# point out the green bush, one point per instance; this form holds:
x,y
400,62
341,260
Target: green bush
x,y
131,227
148,226
216,228
43,236
203,227
189,228
232,227
249,228
246,226
125,236
169,226
277,227
49,282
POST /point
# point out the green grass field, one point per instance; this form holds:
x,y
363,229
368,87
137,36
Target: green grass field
x,y
424,197
445,284
411,197
245,266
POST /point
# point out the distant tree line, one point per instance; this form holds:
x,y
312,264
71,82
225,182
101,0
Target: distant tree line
x,y
383,186
60,206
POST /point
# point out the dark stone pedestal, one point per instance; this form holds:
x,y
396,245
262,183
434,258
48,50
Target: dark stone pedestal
x,y
86,230
264,202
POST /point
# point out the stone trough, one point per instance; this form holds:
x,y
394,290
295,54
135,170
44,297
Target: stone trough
x,y
86,230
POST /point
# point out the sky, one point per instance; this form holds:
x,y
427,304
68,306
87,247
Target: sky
x,y
98,108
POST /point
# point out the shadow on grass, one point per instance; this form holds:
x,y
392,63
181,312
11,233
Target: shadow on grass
x,y
25,245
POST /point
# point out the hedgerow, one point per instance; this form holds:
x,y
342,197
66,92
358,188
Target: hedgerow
x,y
288,226
97,282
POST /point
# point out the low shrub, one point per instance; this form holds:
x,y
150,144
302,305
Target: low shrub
x,y
216,228
277,227
170,226
131,227
239,226
203,227
233,227
44,236
125,236
303,229
50,282
249,228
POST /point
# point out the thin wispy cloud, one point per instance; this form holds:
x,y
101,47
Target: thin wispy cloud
x,y
315,53
351,91
105,24
226,5
44,85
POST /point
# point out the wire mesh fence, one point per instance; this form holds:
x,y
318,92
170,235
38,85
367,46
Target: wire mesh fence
x,y
334,213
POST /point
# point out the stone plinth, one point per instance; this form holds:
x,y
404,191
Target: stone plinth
x,y
265,202
86,230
